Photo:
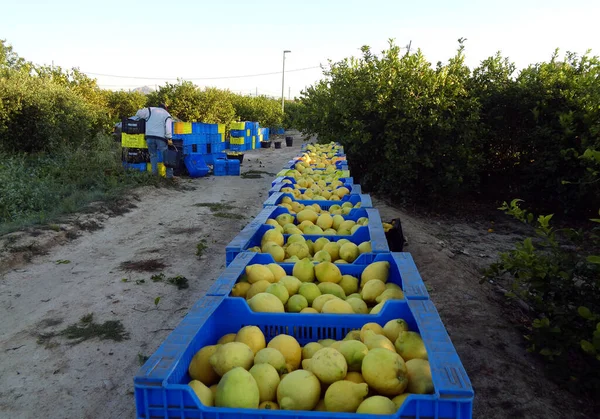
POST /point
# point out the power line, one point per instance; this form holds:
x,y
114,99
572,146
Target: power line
x,y
199,78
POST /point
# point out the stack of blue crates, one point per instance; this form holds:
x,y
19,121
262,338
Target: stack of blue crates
x,y
265,133
161,389
204,139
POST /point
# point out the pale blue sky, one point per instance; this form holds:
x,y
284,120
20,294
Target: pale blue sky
x,y
195,39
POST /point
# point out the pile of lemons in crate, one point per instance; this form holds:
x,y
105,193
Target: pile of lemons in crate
x,y
370,371
319,288
316,178
297,247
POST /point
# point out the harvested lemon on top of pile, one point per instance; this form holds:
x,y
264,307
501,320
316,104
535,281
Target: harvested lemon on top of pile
x,y
316,288
300,171
309,221
316,191
372,370
296,247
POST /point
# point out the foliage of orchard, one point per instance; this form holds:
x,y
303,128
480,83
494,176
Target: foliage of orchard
x,y
434,133
438,134
45,109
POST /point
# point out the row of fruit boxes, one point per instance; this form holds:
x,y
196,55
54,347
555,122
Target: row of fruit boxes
x,y
161,385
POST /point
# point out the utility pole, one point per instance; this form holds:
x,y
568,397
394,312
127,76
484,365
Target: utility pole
x,y
256,91
283,82
408,47
289,92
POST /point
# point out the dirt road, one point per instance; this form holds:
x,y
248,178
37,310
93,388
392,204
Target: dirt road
x,y
94,379
51,377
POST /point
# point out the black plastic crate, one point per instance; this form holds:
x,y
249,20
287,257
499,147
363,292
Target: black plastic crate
x,y
135,155
131,126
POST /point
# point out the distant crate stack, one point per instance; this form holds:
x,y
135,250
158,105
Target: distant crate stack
x,y
201,144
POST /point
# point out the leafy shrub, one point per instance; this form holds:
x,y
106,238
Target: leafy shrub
x,y
43,109
559,280
37,187
428,134
536,125
408,129
262,109
293,114
39,115
123,104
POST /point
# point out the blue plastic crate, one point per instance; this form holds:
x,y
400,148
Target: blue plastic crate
x,y
197,127
215,148
280,179
237,147
195,139
220,167
195,149
354,189
211,158
252,234
403,272
233,167
218,147
196,165
237,133
161,389
364,199
141,167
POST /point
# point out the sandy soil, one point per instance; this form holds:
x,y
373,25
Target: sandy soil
x,y
508,382
55,378
94,379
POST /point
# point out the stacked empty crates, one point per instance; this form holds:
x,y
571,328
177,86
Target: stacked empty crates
x,y
251,138
244,136
200,138
161,389
236,136
134,154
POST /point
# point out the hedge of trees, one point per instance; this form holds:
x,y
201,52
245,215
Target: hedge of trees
x,y
441,134
43,108
55,151
435,133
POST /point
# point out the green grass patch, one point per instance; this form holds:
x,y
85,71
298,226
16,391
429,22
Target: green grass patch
x,y
201,247
37,188
215,206
87,329
228,215
255,174
181,282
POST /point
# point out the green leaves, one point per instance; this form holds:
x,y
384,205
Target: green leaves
x,y
585,313
593,259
